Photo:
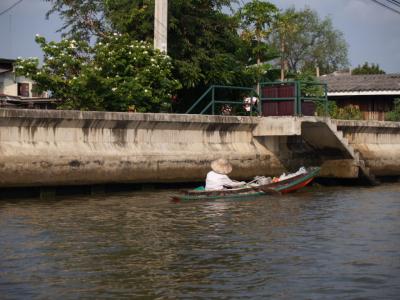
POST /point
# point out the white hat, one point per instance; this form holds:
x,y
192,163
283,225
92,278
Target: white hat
x,y
221,166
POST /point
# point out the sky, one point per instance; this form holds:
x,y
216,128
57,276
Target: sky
x,y
371,31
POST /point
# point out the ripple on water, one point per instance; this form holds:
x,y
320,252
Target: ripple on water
x,y
320,243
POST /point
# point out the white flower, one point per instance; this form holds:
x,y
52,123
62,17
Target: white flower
x,y
114,89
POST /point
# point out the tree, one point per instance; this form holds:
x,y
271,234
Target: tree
x,y
314,43
367,69
83,19
256,19
202,40
285,25
116,74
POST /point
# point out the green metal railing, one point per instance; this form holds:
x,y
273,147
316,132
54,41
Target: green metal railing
x,y
304,91
298,98
214,101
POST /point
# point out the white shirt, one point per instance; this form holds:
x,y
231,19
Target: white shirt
x,y
215,181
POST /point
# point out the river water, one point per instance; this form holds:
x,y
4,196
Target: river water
x,y
319,243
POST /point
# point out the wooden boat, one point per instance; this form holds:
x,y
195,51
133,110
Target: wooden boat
x,y
277,188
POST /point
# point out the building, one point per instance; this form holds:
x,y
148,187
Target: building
x,y
18,91
373,94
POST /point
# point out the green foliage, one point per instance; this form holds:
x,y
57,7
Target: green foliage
x,y
83,19
367,69
320,108
116,74
349,112
255,21
311,42
203,39
256,18
208,45
284,26
394,115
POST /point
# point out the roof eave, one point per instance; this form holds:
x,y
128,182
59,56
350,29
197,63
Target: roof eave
x,y
365,93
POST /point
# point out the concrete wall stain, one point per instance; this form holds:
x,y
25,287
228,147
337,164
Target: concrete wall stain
x,y
121,147
74,163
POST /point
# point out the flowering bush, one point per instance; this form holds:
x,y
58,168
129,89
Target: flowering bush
x,y
116,74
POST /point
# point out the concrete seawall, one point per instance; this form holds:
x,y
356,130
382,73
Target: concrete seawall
x,y
45,147
378,143
39,147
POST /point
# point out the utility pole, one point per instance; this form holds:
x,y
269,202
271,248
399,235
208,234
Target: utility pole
x,y
161,25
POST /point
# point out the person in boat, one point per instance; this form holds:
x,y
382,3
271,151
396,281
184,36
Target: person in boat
x,y
218,179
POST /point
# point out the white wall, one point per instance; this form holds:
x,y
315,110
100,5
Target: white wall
x,y
10,84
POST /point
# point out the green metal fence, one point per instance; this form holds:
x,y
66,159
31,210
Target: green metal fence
x,y
304,91
201,106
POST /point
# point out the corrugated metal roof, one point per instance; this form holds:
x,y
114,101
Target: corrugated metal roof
x,y
361,83
7,61
4,70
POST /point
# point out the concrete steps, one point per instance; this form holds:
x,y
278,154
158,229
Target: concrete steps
x,y
365,171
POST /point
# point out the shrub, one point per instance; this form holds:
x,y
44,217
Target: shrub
x,y
394,115
116,74
320,108
349,112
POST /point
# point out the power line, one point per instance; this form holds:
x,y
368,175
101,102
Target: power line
x,y
11,7
390,4
388,7
394,2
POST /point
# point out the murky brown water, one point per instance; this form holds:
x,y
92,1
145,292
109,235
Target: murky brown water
x,y
320,243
